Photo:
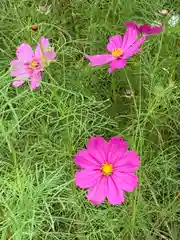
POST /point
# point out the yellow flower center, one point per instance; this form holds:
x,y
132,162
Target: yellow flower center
x,y
117,52
107,169
33,64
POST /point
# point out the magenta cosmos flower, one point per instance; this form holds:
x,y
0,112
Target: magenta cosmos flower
x,y
145,29
29,65
108,170
120,49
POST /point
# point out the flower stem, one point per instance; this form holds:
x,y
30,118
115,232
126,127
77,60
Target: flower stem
x,y
43,54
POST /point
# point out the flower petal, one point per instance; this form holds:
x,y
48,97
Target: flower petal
x,y
114,43
17,83
35,80
125,181
150,30
130,37
119,141
34,85
100,59
49,52
116,149
45,44
97,148
17,68
87,178
134,48
50,55
84,160
24,52
96,193
132,24
117,64
94,142
19,80
114,194
128,163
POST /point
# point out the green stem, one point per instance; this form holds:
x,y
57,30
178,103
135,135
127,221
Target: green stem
x,y
43,54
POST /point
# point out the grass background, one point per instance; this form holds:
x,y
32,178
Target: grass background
x,y
40,132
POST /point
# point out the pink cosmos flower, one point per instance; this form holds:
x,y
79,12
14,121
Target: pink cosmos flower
x,y
145,29
29,64
107,170
120,49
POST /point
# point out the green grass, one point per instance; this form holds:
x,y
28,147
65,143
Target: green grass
x,y
40,132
